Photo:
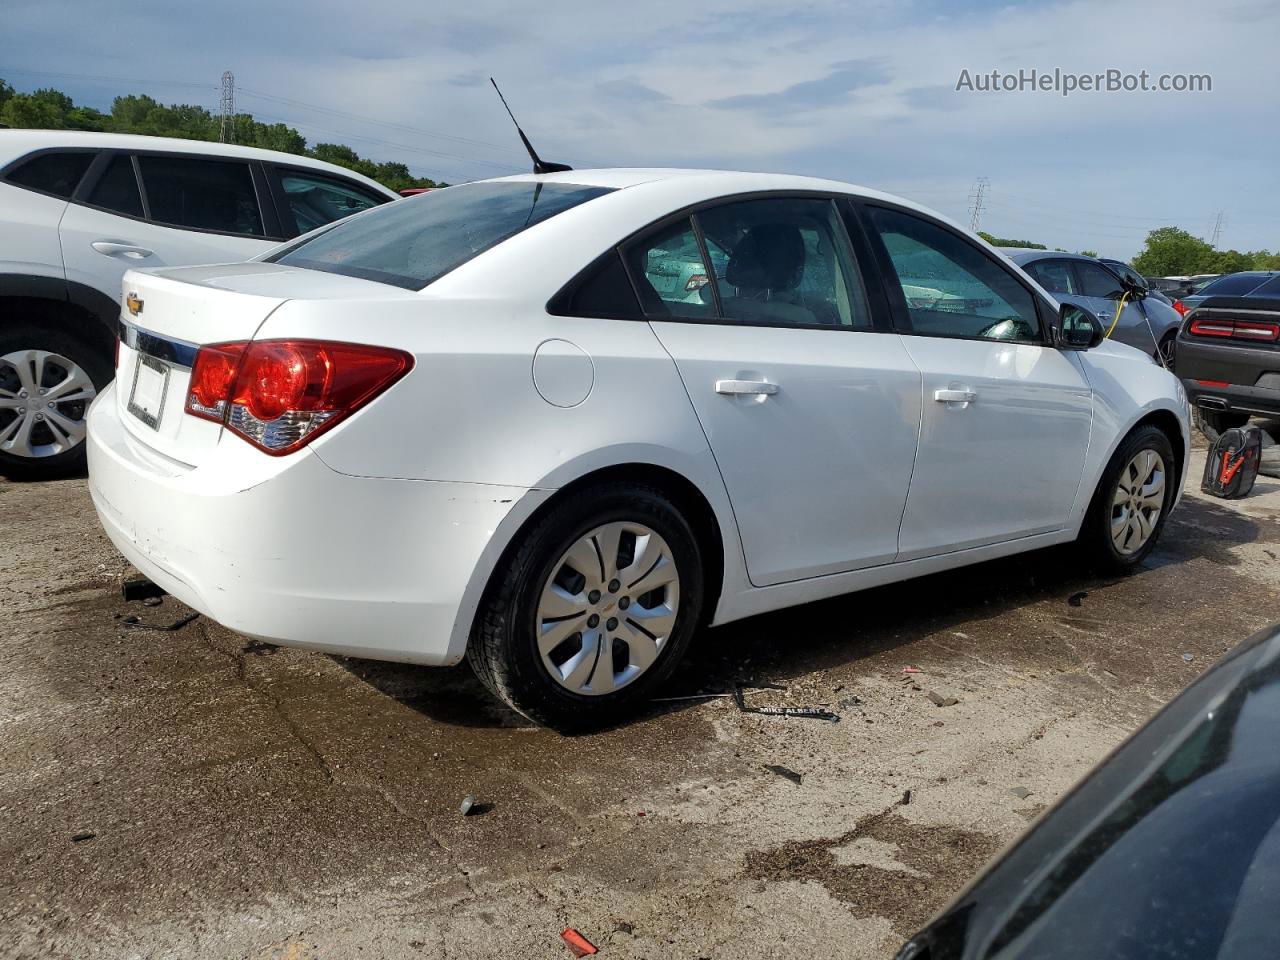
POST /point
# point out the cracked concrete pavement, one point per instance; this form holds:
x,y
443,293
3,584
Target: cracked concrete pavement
x,y
195,793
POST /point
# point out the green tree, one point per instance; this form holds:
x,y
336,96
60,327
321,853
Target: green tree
x,y
1088,253
1172,251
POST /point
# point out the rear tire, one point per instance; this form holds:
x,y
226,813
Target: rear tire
x,y
1131,503
1214,423
1169,351
592,613
40,439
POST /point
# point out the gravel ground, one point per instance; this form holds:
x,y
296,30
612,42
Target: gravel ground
x,y
193,793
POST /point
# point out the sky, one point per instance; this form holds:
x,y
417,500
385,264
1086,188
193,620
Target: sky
x,y
863,92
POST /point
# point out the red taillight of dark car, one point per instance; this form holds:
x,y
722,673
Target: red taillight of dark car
x,y
1181,307
1235,329
281,394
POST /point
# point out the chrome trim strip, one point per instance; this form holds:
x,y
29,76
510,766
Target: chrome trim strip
x,y
170,349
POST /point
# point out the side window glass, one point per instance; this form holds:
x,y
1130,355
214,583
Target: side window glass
x,y
670,273
784,260
1054,275
315,201
56,173
1097,282
202,194
605,292
951,287
117,190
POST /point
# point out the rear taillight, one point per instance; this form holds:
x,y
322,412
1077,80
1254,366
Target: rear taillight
x,y
281,394
1236,329
1181,307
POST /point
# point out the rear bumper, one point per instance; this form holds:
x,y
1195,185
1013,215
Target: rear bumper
x,y
1232,372
290,551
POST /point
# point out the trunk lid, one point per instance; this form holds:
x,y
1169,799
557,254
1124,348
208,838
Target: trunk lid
x,y
167,315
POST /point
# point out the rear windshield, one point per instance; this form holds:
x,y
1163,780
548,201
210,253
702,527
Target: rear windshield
x,y
1233,285
411,243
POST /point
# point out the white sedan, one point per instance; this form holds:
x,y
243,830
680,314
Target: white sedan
x,y
555,424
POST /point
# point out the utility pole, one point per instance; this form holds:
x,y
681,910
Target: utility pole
x,y
226,132
1218,223
976,199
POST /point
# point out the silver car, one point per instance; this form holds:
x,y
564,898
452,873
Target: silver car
x,y
1149,325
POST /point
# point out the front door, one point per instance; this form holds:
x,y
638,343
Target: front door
x,y
810,410
1006,418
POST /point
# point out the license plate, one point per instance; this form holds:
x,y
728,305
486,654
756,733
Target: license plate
x,y
150,386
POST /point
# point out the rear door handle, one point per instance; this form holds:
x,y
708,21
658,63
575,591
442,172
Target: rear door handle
x,y
955,396
740,387
115,248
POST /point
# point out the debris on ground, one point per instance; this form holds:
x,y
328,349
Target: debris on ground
x,y
785,772
912,670
82,836
137,624
691,696
906,798
624,927
940,701
848,702
1188,657
468,805
1077,598
580,945
816,713
1020,792
152,601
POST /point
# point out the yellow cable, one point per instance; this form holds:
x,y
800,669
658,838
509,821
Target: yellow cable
x,y
1119,307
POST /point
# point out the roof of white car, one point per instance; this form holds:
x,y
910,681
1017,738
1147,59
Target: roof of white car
x,y
15,143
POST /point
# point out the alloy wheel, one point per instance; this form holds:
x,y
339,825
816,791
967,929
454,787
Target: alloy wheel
x,y
1137,502
44,397
608,609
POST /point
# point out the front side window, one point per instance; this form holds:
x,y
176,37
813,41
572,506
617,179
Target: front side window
x,y
1054,275
117,188
1096,281
1232,285
202,194
315,200
56,173
784,260
411,243
951,288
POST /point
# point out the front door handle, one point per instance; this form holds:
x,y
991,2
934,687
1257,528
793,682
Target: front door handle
x,y
955,396
115,248
746,387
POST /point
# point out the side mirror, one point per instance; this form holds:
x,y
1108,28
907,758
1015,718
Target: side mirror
x,y
1135,290
1078,329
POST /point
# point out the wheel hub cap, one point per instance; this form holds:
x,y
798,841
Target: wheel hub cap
x,y
1138,501
608,608
43,401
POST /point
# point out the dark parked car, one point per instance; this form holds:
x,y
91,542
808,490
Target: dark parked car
x,y
1249,283
1169,850
1229,359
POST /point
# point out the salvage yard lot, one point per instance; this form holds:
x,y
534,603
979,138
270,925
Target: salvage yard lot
x,y
195,793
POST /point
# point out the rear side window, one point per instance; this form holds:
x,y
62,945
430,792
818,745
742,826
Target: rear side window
x,y
314,201
117,188
202,194
56,173
1054,275
604,291
413,242
1232,285
672,277
951,288
1269,289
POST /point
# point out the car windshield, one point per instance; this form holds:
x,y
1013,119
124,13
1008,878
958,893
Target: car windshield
x,y
1233,285
411,243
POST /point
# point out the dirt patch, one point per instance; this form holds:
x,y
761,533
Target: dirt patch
x,y
932,863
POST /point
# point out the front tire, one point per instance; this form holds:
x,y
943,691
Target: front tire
x,y
47,381
1132,502
591,609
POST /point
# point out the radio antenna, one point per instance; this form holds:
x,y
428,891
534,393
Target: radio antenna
x,y
539,165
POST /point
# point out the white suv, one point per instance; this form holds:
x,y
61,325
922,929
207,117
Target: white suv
x,y
79,209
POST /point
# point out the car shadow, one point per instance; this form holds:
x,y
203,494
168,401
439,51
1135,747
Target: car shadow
x,y
779,646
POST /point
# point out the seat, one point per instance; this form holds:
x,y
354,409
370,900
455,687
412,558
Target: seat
x,y
765,268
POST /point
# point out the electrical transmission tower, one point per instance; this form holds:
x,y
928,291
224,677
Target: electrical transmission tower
x,y
976,199
227,132
1218,223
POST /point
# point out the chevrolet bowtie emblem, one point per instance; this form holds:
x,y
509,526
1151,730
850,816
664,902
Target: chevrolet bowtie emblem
x,y
133,303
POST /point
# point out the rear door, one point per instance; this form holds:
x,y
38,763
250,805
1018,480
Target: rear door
x,y
1006,418
164,210
809,402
